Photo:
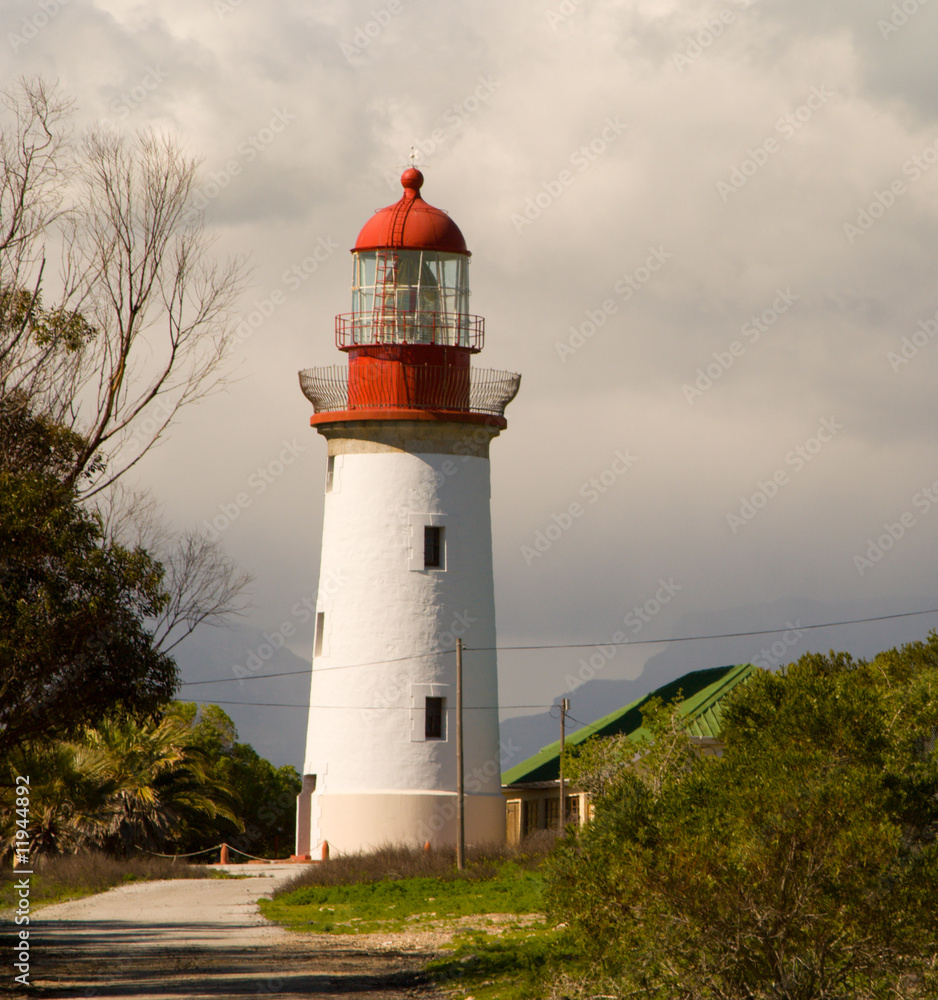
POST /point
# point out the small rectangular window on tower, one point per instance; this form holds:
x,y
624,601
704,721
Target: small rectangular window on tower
x,y
320,629
433,552
435,714
330,472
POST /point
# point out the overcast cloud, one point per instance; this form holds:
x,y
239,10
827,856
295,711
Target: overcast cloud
x,y
705,233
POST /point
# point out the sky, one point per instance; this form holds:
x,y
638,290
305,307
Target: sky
x,y
705,233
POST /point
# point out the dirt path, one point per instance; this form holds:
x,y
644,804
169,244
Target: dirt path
x,y
206,939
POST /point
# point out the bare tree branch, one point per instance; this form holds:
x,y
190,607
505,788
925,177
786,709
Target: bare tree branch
x,y
203,584
205,587
162,307
35,166
143,316
140,326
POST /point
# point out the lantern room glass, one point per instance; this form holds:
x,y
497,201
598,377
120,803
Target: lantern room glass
x,y
410,297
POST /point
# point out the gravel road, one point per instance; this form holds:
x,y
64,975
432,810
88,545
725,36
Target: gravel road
x,y
205,938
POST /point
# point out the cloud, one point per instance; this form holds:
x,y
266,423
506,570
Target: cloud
x,y
744,154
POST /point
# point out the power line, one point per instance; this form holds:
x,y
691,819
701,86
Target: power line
x,y
356,708
574,645
252,704
722,635
586,725
253,677
306,670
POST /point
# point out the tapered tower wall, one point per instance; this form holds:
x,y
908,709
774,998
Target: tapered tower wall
x,y
386,638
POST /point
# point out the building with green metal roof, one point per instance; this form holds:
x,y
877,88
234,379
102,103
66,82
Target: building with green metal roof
x,y
532,787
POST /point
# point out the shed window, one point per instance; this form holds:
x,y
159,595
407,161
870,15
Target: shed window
x,y
571,811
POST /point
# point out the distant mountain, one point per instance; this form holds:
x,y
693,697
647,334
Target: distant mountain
x,y
593,700
279,733
597,697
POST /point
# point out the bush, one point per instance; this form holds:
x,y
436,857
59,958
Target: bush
x,y
396,861
803,864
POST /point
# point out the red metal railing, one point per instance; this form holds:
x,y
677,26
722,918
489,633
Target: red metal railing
x,y
402,327
419,387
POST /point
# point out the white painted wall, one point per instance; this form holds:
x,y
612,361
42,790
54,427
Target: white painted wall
x,y
383,613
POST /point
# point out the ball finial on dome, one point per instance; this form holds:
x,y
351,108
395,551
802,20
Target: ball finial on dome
x,y
411,224
412,179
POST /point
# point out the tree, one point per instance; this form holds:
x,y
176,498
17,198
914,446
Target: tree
x,y
35,166
603,767
268,803
177,782
64,798
74,639
801,865
125,785
91,596
158,781
266,794
142,322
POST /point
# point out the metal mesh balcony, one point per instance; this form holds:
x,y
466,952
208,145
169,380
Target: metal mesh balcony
x,y
418,387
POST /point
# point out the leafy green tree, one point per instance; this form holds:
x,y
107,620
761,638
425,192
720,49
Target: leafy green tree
x,y
123,786
266,794
140,328
93,597
158,782
802,865
211,728
604,767
74,642
65,798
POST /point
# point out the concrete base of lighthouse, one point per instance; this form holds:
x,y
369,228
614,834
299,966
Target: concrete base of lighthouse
x,y
362,821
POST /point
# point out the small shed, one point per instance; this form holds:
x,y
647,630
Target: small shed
x,y
532,788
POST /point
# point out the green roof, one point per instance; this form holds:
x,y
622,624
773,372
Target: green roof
x,y
701,693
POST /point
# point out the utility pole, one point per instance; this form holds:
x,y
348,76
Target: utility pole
x,y
564,708
460,793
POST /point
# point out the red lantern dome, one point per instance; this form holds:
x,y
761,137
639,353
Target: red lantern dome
x,y
410,335
411,224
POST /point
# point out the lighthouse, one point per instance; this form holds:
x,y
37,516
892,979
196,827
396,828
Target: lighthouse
x,y
406,560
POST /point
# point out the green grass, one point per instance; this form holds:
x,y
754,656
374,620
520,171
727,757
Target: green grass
x,y
398,888
516,965
400,904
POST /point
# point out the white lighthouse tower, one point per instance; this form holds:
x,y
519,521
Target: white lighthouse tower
x,y
406,565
